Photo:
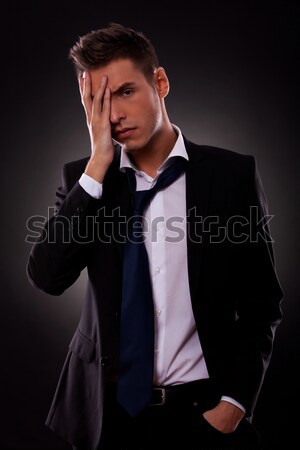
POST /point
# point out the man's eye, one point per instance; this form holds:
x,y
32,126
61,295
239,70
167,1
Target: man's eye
x,y
127,92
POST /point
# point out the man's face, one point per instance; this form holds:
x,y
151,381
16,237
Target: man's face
x,y
136,114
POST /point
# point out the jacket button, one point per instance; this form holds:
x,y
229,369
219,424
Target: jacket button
x,y
79,209
105,361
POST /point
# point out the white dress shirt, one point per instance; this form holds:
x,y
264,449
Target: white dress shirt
x,y
178,355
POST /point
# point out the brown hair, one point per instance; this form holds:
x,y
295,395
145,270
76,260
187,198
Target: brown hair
x,y
98,48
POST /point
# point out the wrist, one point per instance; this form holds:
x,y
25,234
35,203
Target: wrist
x,y
96,169
225,417
231,409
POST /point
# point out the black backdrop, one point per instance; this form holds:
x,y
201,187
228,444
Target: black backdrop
x,y
233,74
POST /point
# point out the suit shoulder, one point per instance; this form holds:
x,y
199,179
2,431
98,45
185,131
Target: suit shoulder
x,y
224,153
219,156
76,165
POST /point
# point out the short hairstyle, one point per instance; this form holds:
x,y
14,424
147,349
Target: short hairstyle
x,y
98,48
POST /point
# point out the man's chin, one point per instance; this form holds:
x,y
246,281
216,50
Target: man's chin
x,y
130,147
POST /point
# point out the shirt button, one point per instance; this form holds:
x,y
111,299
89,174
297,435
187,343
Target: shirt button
x,y
158,312
157,269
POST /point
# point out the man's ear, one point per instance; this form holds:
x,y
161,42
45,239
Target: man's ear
x,y
161,82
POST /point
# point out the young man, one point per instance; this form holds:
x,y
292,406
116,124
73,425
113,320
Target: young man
x,y
183,299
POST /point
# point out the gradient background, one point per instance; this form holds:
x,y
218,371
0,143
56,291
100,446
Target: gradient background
x,y
234,83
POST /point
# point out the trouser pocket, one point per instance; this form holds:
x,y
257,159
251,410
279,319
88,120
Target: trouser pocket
x,y
245,437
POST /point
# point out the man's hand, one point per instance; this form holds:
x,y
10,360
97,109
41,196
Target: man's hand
x,y
225,417
97,112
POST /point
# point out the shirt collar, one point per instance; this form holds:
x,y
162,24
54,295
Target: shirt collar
x,y
178,150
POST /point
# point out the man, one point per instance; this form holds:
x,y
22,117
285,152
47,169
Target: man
x,y
183,299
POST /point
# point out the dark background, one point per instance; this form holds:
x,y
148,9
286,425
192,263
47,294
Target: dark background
x,y
234,84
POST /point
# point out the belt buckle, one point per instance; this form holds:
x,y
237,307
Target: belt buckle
x,y
163,396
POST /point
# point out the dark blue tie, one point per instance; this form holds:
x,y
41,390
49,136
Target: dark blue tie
x,y
135,372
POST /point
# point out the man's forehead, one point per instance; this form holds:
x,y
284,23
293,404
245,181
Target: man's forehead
x,y
118,72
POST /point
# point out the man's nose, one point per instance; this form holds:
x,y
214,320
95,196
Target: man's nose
x,y
116,113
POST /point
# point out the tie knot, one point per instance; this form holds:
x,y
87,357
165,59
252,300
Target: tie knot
x,y
141,199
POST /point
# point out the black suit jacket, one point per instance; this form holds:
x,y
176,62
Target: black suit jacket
x,y
234,289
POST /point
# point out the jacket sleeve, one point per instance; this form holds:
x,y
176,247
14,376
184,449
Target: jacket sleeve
x,y
61,251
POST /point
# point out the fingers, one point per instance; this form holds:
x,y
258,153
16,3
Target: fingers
x,y
98,101
86,94
94,107
106,104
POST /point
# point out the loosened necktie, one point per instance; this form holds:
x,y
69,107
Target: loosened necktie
x,y
136,359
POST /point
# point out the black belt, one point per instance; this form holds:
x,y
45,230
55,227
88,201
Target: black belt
x,y
194,393
184,394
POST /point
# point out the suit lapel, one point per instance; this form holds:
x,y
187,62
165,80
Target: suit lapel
x,y
199,177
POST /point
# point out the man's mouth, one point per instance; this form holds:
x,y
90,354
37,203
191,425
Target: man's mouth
x,y
123,133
